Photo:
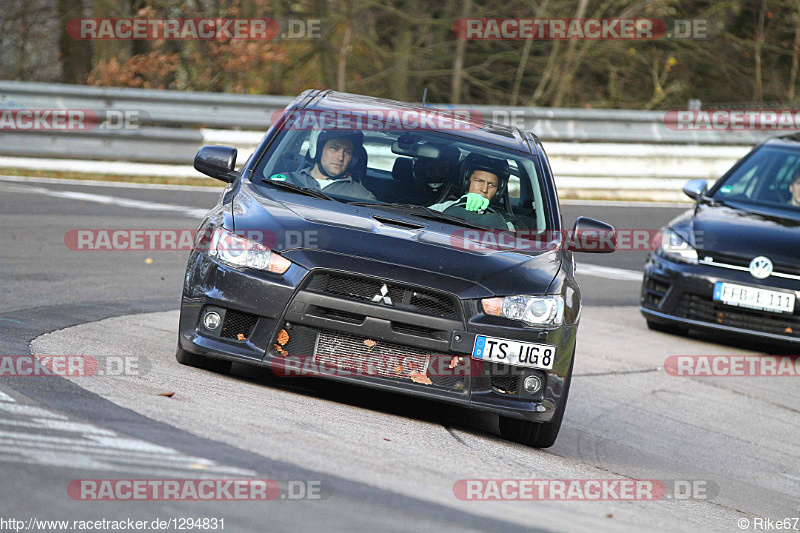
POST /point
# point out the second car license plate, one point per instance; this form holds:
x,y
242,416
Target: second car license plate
x,y
761,299
528,354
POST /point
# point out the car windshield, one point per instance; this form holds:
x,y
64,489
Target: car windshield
x,y
765,179
452,177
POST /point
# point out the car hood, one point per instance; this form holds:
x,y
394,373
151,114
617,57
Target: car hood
x,y
744,234
315,233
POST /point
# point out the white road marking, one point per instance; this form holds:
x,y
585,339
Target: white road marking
x,y
29,410
631,203
619,274
127,202
35,435
114,200
6,398
116,184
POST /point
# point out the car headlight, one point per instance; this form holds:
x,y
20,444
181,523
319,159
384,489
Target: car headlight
x,y
674,247
532,310
237,251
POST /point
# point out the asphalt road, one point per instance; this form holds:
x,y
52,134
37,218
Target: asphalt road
x,y
382,461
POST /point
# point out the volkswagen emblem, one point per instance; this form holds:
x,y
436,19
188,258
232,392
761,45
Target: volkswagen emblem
x,y
383,295
761,267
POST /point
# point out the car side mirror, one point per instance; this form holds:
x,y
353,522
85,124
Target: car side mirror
x,y
217,161
593,236
695,189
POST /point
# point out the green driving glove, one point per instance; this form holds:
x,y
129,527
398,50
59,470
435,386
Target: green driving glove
x,y
476,202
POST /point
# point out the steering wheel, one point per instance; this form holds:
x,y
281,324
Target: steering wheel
x,y
490,217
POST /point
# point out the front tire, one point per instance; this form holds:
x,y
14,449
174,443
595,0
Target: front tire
x,y
184,357
537,434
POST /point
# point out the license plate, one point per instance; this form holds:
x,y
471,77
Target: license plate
x,y
753,298
527,354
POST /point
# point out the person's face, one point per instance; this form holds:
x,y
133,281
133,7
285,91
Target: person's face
x,y
794,188
484,183
336,156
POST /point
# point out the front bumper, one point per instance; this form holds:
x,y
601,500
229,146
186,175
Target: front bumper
x,y
682,294
290,324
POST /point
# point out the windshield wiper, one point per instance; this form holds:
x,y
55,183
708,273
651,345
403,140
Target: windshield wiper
x,y
296,188
420,211
716,202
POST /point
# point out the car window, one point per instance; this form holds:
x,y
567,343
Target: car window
x,y
763,178
421,168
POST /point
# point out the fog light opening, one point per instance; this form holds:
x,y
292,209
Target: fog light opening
x,y
211,320
532,384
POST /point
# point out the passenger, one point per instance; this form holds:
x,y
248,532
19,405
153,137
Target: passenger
x,y
432,175
484,177
794,189
334,155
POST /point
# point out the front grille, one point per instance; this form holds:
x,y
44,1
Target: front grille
x,y
300,343
654,291
505,383
238,325
744,262
337,314
705,309
359,355
418,331
403,297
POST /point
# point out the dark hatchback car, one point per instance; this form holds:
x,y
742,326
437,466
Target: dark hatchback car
x,y
732,264
384,278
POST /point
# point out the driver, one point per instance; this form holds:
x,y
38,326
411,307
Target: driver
x,y
483,178
334,155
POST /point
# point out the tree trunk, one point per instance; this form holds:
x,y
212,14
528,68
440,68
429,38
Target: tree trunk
x,y
547,74
322,45
76,55
795,54
400,71
341,79
121,49
458,61
758,89
564,81
523,61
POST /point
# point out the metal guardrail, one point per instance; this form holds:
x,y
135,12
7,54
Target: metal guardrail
x,y
181,109
170,120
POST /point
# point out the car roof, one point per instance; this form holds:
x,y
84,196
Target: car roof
x,y
791,139
475,128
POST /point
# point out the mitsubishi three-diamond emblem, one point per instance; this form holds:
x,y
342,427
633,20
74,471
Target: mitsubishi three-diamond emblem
x,y
383,295
761,267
